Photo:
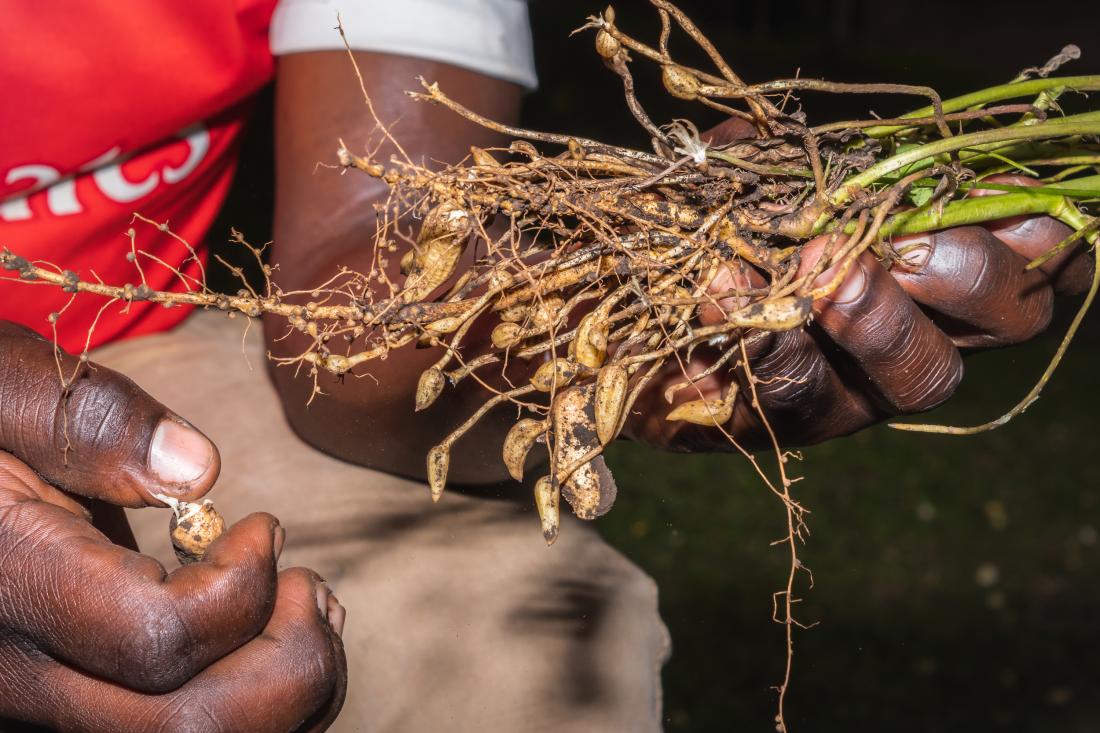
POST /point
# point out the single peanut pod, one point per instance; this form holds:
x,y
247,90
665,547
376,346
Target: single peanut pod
x,y
611,394
582,347
576,150
781,314
680,82
429,387
439,460
506,335
193,528
441,242
590,490
518,443
548,502
483,157
443,326
580,472
546,312
702,412
554,374
607,46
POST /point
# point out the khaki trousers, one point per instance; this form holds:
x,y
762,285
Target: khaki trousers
x,y
460,619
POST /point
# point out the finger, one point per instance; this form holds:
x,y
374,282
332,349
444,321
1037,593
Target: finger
x,y
727,291
18,480
802,396
907,362
970,276
117,614
801,393
1031,236
291,677
94,432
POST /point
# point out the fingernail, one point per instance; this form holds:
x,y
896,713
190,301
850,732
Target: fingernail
x,y
337,614
323,594
852,287
280,540
1015,226
179,454
913,254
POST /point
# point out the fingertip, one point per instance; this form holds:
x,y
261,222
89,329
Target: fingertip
x,y
257,535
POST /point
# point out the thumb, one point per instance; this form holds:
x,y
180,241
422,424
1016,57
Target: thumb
x,y
93,432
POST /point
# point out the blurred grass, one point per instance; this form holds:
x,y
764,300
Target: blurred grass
x,y
955,576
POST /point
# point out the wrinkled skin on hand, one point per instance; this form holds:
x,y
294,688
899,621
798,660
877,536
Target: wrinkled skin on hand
x,y
887,342
96,637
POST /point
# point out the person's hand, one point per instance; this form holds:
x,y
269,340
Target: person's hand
x,y
96,637
886,342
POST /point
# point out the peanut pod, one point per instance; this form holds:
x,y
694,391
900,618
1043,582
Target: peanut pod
x,y
439,460
781,314
578,469
518,443
548,502
554,374
429,388
611,393
440,245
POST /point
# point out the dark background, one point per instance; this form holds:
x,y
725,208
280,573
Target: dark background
x,y
957,578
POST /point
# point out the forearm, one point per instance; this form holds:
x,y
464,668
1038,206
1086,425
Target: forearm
x,y
325,220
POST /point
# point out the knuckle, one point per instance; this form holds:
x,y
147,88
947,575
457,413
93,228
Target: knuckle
x,y
1033,315
935,378
793,372
106,414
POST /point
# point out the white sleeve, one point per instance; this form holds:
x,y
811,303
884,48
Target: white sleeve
x,y
489,36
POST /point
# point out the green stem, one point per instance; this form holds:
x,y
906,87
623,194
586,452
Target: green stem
x,y
1078,163
999,93
925,155
979,209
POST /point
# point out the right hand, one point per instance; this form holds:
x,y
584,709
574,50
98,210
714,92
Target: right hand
x,y
887,342
96,637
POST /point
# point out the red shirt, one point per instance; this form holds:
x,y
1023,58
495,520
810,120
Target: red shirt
x,y
112,108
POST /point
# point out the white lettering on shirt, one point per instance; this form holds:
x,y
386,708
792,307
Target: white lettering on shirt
x,y
107,174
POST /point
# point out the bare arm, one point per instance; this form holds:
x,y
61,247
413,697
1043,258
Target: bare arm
x,y
324,220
